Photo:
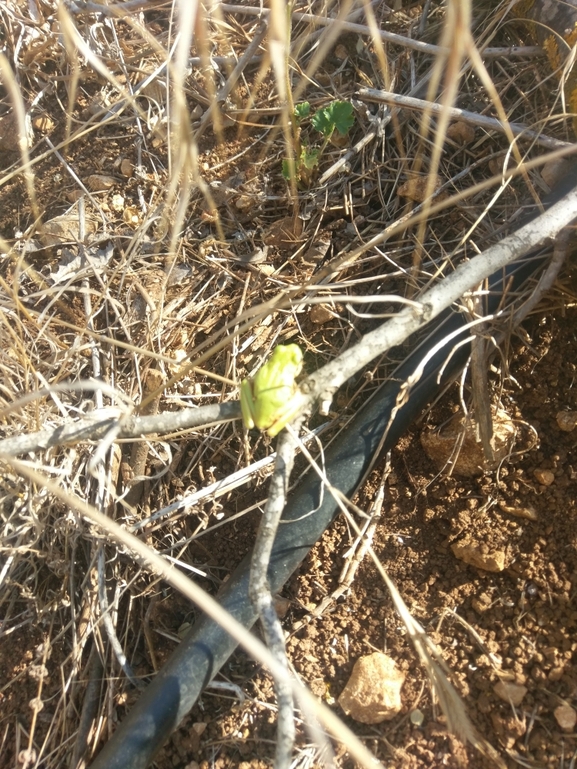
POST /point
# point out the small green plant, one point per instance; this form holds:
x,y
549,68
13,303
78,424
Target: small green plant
x,y
337,116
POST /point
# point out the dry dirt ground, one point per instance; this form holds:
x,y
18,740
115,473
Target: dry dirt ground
x,y
517,625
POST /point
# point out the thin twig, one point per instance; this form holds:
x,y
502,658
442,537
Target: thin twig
x,y
262,598
563,245
89,708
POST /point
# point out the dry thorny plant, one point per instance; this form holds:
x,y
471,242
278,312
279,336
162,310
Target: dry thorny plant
x,y
153,254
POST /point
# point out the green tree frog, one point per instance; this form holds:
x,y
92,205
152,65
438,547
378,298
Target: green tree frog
x,y
269,400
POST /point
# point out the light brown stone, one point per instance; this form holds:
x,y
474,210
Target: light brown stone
x,y
544,477
97,182
566,717
456,447
319,314
373,692
126,168
461,132
509,692
472,554
567,420
519,512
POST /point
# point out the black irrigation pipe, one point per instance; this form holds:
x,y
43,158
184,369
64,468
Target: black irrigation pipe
x,y
207,646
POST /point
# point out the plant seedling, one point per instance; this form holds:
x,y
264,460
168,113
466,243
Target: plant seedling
x,y
337,116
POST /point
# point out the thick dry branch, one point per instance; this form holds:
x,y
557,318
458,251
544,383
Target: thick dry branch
x,y
95,428
489,123
543,229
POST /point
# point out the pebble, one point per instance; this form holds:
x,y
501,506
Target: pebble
x,y
544,477
373,692
97,182
508,692
473,555
566,717
417,717
126,168
461,434
461,132
319,314
482,602
567,420
118,203
519,512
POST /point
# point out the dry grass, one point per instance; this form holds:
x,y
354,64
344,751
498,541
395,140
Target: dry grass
x,y
147,231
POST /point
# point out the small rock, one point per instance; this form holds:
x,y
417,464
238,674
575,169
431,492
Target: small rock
x,y
457,447
473,555
415,189
566,717
43,123
555,674
373,692
481,602
131,216
341,52
544,477
508,692
96,182
126,168
567,420
461,132
118,203
319,314
554,170
417,717
520,512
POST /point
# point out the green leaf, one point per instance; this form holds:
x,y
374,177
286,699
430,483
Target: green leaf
x,y
309,157
302,111
342,116
338,115
322,121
